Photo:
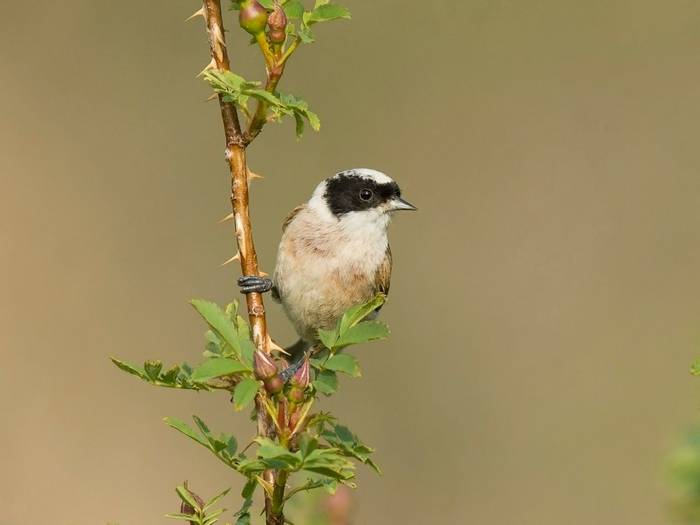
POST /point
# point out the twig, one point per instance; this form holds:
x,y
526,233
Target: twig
x,y
236,158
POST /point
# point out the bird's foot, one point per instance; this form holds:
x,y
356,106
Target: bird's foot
x,y
288,372
254,284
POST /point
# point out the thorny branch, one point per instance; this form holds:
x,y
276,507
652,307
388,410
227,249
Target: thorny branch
x,y
236,158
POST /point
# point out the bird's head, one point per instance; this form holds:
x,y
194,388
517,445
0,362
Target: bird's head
x,y
359,194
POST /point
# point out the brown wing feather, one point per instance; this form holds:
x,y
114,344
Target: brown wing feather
x,y
287,220
382,279
291,216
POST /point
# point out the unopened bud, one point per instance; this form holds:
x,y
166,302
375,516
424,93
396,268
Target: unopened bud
x,y
301,377
252,17
265,367
299,382
277,22
186,508
294,419
296,395
274,384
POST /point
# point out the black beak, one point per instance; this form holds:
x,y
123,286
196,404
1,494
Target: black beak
x,y
397,203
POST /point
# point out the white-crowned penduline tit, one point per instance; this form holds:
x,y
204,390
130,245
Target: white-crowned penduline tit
x,y
334,253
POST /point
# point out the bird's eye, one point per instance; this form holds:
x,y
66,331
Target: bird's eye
x,y
366,195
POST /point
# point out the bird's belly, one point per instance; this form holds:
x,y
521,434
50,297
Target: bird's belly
x,y
316,290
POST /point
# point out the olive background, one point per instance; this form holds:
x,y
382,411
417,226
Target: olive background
x,y
545,298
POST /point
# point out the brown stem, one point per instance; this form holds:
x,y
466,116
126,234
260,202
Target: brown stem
x,y
236,158
276,516
235,155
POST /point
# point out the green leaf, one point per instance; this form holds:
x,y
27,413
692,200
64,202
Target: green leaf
x,y
307,444
298,125
251,466
187,497
363,332
217,367
153,368
231,445
188,517
244,513
213,344
247,351
244,393
203,428
326,382
328,337
357,313
694,369
329,462
276,456
343,363
327,12
249,488
242,327
264,95
320,420
267,4
213,517
130,369
349,445
244,519
293,9
215,499
305,33
170,376
313,119
219,322
344,434
183,427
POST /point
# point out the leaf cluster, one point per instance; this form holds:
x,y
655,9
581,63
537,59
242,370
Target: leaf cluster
x,y
194,510
228,362
312,444
352,328
304,20
234,88
273,106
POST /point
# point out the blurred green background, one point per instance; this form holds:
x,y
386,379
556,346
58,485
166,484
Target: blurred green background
x,y
545,298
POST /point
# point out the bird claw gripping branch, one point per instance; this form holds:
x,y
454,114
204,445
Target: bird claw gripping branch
x,y
254,284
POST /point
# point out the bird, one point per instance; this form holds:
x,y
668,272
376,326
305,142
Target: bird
x,y
334,252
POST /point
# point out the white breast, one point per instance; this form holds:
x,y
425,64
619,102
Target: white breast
x,y
326,265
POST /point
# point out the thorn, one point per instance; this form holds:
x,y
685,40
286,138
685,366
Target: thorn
x,y
266,485
236,257
252,175
218,35
211,97
274,346
210,65
199,12
227,218
263,274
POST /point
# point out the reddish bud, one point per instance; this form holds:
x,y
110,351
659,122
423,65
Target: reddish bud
x,y
301,377
252,17
274,384
277,22
186,508
265,367
296,395
294,419
299,381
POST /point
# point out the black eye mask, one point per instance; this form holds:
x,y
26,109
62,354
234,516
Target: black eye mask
x,y
343,193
